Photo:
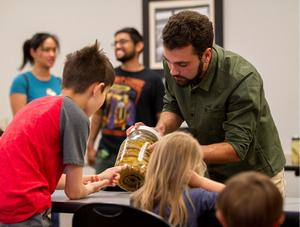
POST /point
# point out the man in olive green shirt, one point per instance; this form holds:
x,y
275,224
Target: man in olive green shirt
x,y
220,96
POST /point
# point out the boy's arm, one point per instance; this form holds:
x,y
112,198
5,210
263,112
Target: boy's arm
x,y
78,186
74,184
197,181
61,182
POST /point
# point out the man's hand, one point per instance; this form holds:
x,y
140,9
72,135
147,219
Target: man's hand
x,y
133,127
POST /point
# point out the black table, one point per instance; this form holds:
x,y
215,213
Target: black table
x,y
295,168
61,204
289,166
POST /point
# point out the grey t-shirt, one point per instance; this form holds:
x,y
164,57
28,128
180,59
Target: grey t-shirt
x,y
74,128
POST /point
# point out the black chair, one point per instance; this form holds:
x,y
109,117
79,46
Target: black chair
x,y
292,219
112,215
209,219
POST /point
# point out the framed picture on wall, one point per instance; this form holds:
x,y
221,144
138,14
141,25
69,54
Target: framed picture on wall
x,y
156,14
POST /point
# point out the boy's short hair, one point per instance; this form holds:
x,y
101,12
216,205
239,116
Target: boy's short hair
x,y
85,67
250,199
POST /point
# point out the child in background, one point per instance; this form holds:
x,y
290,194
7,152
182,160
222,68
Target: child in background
x,y
44,146
174,164
250,199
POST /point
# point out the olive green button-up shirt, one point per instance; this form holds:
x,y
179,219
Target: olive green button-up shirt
x,y
229,105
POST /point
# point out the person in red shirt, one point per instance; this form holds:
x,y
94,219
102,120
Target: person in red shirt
x,y
43,148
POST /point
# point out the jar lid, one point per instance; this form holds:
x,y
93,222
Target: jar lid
x,y
149,129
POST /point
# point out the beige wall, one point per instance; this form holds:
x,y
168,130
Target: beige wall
x,y
266,32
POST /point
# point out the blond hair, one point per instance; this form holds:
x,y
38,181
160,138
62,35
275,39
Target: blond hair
x,y
173,159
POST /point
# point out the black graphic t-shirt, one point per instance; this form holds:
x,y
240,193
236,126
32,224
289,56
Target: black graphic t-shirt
x,y
134,97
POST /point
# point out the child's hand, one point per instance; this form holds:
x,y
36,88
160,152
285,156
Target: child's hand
x,y
90,178
151,147
112,174
96,185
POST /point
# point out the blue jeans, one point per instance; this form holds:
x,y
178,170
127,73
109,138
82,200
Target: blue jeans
x,y
38,220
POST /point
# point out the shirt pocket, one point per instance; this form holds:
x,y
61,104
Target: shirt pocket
x,y
212,121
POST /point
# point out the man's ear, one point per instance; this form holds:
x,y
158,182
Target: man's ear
x,y
207,55
139,47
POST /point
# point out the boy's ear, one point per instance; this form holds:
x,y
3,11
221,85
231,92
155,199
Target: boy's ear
x,y
280,221
220,217
99,88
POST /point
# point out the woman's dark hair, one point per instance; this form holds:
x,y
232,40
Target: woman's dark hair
x,y
35,42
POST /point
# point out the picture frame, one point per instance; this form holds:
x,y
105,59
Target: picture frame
x,y
156,14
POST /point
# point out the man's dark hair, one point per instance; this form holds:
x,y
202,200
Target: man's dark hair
x,y
85,67
188,27
133,33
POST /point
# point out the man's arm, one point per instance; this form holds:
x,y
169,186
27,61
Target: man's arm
x,y
168,122
94,130
219,153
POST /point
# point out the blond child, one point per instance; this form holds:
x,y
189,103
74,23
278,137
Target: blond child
x,y
175,163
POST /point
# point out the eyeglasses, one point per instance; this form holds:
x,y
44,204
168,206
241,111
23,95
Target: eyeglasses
x,y
121,42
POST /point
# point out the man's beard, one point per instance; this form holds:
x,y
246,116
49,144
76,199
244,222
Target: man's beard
x,y
126,57
183,82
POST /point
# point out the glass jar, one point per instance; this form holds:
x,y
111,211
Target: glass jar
x,y
295,150
135,155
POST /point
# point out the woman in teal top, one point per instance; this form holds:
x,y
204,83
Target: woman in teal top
x,y
40,51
